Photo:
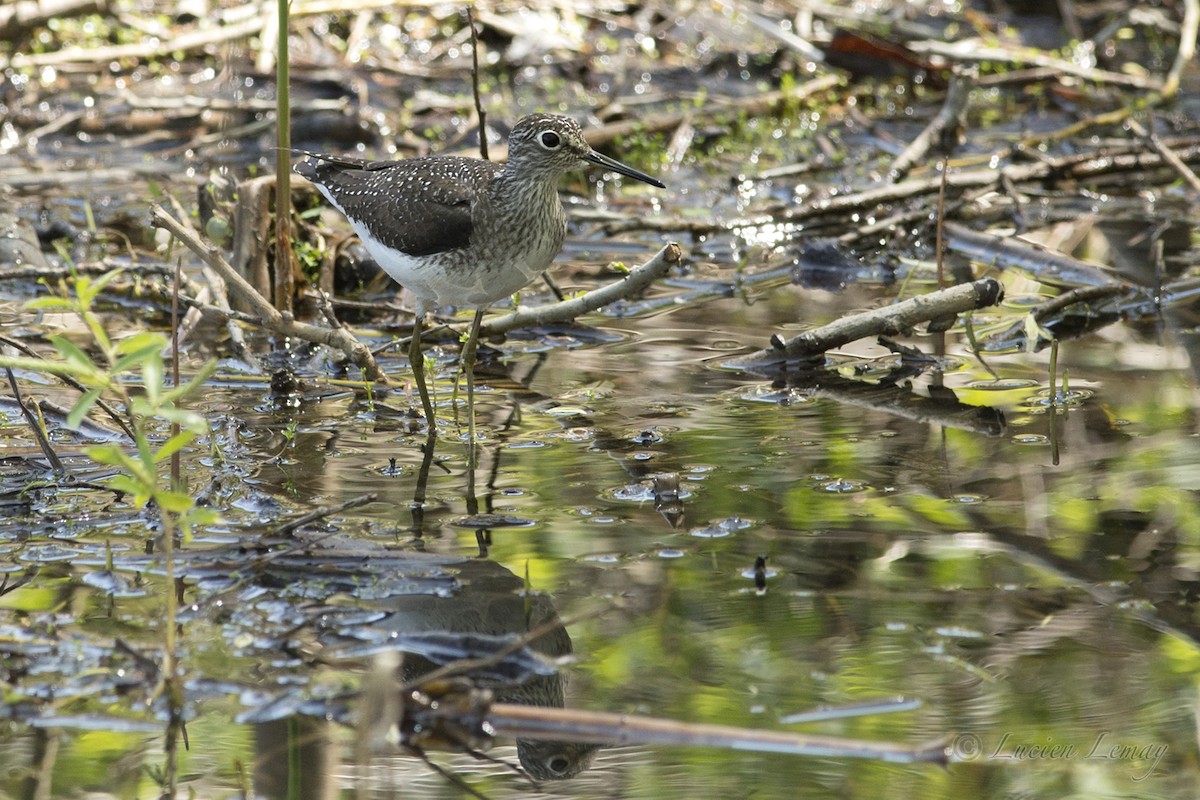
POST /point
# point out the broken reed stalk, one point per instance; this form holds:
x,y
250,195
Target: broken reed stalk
x,y
556,724
285,284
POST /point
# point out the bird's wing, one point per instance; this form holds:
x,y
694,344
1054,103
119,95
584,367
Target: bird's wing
x,y
419,206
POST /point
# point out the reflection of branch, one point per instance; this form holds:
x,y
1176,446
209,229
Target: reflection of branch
x,y
637,280
939,408
269,317
895,319
1092,577
601,728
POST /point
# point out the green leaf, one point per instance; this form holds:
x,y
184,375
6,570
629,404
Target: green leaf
x,y
197,380
140,341
44,367
202,515
188,420
102,282
152,377
72,353
51,303
174,502
83,290
146,457
82,406
136,357
128,485
173,445
113,456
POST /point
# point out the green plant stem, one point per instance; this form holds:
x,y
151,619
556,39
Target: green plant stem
x,y
284,283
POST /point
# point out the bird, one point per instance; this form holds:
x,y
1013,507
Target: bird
x,y
462,231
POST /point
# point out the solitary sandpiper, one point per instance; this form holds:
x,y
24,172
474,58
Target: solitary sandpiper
x,y
459,230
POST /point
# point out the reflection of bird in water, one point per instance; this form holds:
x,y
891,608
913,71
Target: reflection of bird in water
x,y
491,602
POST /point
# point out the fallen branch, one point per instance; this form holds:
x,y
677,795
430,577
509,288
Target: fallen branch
x,y
268,316
890,320
322,512
633,283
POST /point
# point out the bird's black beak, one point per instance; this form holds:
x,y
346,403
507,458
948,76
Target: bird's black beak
x,y
613,165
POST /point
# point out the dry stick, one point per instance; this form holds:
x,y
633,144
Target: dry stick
x,y
1045,265
948,118
890,320
636,281
220,302
55,176
269,316
321,512
37,425
771,27
1166,152
184,42
1078,166
556,724
39,273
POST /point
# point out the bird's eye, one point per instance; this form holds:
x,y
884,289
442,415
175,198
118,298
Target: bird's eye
x,y
559,764
550,140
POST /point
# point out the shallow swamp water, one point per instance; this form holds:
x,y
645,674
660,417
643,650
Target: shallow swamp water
x,y
1003,544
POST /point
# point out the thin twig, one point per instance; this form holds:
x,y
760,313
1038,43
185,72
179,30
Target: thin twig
x,y
1166,152
480,113
321,512
36,424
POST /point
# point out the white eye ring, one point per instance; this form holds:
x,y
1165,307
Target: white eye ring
x,y
549,140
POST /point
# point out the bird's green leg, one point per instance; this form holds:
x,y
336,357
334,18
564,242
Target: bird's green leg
x,y
416,360
468,365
